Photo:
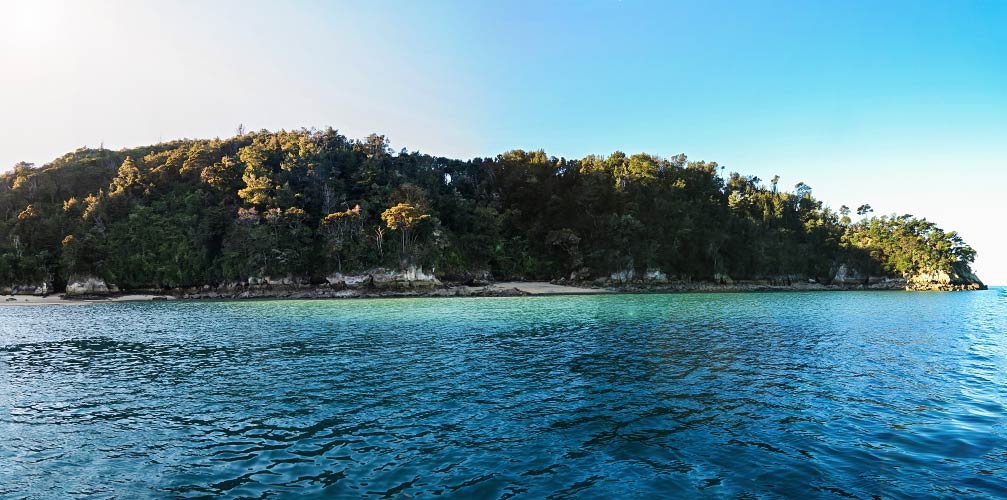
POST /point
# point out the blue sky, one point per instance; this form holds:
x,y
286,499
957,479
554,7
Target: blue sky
x,y
902,105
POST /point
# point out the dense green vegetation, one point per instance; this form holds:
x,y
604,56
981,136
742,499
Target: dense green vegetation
x,y
309,203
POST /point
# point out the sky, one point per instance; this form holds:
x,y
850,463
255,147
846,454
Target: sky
x,y
902,105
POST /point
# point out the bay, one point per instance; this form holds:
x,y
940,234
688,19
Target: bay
x,y
843,394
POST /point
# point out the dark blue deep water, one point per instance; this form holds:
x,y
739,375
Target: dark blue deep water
x,y
804,395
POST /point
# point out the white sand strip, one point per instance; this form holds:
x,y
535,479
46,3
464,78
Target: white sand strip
x,y
544,288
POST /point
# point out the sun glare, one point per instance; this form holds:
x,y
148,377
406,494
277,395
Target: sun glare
x,y
25,22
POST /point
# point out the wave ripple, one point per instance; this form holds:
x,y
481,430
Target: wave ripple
x,y
858,395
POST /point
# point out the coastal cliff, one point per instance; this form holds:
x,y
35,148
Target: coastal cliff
x,y
307,208
414,282
958,278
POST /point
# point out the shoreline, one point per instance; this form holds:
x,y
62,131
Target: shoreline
x,y
63,300
497,289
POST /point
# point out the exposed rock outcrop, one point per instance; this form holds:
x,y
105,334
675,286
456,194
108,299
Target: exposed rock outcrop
x,y
40,289
960,277
848,276
413,277
655,276
415,282
89,285
624,276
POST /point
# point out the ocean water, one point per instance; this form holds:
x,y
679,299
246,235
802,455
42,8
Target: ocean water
x,y
802,395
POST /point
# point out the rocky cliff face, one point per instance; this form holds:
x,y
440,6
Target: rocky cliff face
x,y
413,277
848,277
959,277
89,285
39,289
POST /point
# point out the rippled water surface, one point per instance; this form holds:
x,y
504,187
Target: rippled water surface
x,y
893,395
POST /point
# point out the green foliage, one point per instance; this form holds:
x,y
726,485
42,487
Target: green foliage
x,y
908,245
307,203
403,218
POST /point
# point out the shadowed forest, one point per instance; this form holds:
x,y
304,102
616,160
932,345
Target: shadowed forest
x,y
307,203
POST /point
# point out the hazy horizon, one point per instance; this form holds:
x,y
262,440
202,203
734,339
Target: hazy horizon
x,y
902,105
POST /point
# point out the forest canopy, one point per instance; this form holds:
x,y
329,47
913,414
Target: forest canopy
x,y
309,203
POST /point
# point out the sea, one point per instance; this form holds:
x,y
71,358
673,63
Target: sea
x,y
707,395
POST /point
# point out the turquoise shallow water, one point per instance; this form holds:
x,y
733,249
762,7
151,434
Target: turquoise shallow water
x,y
859,395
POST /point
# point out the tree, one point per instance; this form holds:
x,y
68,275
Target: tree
x,y
844,212
403,218
306,202
127,178
259,188
225,175
564,244
337,229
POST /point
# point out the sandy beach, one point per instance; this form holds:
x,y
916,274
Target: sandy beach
x,y
33,300
530,288
545,288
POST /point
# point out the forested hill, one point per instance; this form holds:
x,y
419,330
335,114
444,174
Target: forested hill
x,y
306,204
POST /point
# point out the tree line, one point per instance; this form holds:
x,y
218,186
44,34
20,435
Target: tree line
x,y
309,203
